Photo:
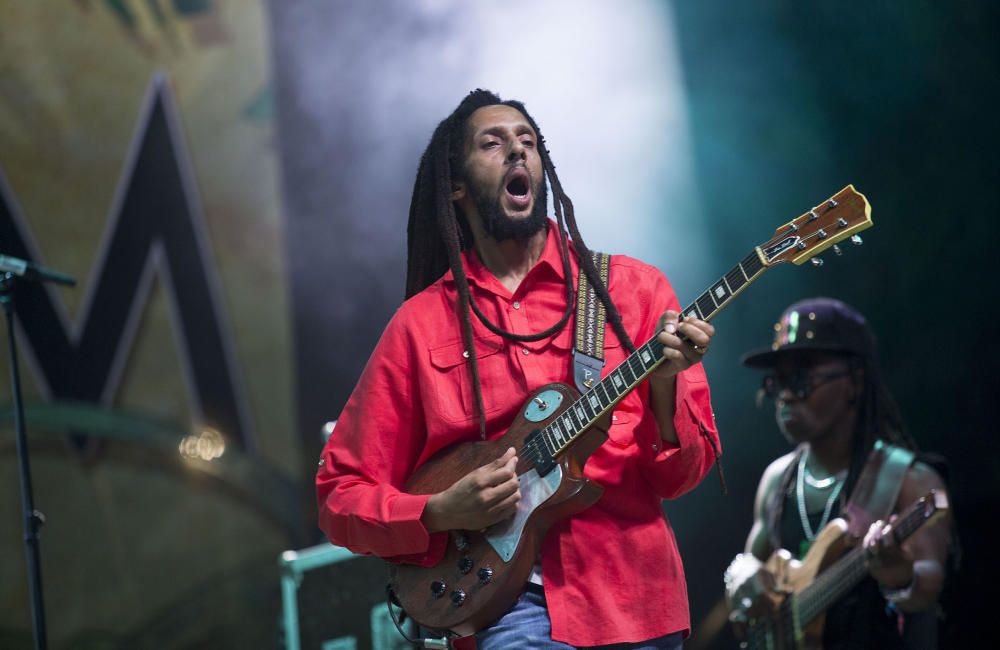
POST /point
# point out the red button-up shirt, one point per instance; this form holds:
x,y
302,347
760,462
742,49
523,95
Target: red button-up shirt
x,y
612,573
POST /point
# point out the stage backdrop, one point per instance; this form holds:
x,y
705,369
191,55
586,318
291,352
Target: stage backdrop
x,y
137,153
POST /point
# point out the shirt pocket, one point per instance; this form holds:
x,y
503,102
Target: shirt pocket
x,y
450,393
620,433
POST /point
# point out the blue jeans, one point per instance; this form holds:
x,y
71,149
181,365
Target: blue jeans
x,y
527,626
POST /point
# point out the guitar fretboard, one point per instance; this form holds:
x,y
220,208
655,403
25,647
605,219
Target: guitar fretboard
x,y
568,426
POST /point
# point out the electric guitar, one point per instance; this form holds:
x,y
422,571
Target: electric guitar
x,y
483,572
807,588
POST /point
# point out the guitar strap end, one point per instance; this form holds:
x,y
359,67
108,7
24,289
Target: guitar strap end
x,y
586,370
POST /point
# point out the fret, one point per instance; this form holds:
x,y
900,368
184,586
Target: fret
x,y
630,378
580,416
549,447
565,424
571,427
720,292
595,402
735,279
574,421
694,311
635,365
557,433
588,411
751,264
551,440
619,383
706,305
646,357
602,391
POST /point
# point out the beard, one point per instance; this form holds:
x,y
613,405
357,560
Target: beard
x,y
501,227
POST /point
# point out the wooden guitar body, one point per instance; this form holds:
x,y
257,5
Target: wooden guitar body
x,y
792,576
483,572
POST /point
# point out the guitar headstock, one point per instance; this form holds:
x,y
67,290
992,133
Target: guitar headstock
x,y
841,216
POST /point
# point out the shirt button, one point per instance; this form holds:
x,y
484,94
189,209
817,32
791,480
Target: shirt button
x,y
516,305
614,418
656,448
525,351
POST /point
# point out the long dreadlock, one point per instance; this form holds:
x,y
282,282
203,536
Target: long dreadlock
x,y
436,235
878,418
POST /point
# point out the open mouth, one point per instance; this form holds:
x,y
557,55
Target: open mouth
x,y
518,187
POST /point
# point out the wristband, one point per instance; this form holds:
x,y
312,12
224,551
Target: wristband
x,y
896,595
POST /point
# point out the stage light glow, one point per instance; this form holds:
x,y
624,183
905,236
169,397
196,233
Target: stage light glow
x,y
207,445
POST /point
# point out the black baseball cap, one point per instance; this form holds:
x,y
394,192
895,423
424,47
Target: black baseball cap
x,y
823,324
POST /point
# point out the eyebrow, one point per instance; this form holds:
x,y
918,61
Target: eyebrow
x,y
520,129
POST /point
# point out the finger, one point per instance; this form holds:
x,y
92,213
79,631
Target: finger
x,y
501,461
496,477
695,335
495,497
668,321
871,537
669,339
490,497
704,326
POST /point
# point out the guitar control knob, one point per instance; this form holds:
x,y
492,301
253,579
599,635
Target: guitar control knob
x,y
458,597
465,564
485,575
438,587
461,543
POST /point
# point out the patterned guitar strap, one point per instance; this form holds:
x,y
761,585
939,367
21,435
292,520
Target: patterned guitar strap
x,y
588,347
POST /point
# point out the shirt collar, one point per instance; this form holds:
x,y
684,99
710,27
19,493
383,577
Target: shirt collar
x,y
549,262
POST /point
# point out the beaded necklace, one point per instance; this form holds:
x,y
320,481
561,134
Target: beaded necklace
x,y
800,494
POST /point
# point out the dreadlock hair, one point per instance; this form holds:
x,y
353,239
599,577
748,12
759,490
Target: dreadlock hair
x,y
437,234
878,418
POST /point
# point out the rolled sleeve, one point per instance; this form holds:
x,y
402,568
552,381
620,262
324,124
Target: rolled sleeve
x,y
676,468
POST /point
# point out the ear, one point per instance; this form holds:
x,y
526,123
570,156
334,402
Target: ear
x,y
457,191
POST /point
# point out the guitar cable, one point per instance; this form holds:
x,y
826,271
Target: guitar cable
x,y
434,644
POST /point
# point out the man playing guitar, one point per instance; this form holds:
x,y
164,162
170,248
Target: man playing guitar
x,y
831,403
488,319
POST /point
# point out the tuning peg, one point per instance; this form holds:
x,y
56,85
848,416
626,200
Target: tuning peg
x,y
856,240
836,249
817,261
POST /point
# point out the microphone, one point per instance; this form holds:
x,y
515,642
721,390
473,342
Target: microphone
x,y
28,271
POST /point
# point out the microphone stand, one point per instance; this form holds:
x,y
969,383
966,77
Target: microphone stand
x,y
12,269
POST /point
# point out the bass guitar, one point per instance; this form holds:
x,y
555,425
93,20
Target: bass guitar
x,y
807,588
483,572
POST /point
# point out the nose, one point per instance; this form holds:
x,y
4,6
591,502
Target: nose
x,y
516,151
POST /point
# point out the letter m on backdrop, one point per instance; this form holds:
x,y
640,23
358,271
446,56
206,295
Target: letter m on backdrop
x,y
155,228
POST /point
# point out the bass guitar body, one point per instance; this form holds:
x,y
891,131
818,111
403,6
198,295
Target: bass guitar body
x,y
483,572
791,577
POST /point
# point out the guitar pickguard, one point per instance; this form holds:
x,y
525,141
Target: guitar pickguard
x,y
535,490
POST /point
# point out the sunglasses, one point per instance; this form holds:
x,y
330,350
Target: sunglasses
x,y
801,384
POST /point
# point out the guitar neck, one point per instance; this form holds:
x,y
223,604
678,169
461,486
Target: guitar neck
x,y
558,435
